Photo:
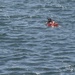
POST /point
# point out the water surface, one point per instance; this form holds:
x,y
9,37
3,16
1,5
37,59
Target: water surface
x,y
28,46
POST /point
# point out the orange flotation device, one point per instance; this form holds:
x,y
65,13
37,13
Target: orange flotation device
x,y
52,24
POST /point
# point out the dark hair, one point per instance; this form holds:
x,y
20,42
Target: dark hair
x,y
49,20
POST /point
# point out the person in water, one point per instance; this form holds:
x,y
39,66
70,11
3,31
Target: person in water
x,y
51,23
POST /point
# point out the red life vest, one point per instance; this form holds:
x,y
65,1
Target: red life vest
x,y
52,24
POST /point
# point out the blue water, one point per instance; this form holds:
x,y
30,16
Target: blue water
x,y
28,46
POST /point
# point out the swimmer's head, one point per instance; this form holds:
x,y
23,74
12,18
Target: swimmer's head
x,y
49,19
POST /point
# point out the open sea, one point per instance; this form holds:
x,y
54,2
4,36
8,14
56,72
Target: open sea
x,y
28,46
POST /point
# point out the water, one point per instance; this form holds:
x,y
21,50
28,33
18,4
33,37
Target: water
x,y
28,46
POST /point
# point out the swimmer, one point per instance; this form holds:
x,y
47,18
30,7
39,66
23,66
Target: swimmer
x,y
51,23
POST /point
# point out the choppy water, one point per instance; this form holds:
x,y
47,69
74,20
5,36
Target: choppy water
x,y
27,46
